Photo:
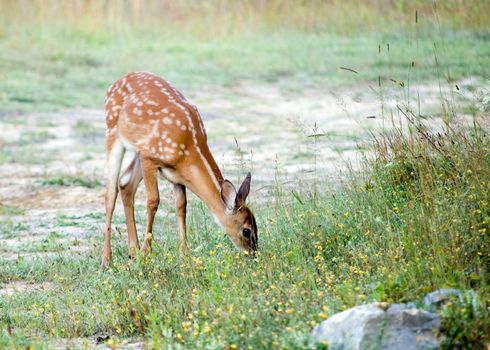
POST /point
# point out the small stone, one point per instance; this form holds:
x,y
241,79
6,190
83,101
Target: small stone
x,y
440,297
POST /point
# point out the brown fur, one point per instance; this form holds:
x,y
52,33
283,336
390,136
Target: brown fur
x,y
146,114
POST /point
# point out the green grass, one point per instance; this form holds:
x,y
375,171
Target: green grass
x,y
88,132
9,229
59,69
54,65
24,155
32,137
415,219
10,210
70,180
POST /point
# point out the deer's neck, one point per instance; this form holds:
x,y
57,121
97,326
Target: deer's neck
x,y
205,180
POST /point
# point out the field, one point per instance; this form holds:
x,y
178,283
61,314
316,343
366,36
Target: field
x,y
364,124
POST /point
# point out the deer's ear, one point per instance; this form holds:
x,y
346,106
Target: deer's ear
x,y
228,195
244,190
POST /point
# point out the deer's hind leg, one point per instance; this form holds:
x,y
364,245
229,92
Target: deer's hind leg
x,y
115,154
128,184
181,211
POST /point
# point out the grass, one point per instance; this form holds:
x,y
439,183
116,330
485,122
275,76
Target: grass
x,y
88,132
416,219
10,210
32,137
55,68
8,228
70,180
24,154
248,16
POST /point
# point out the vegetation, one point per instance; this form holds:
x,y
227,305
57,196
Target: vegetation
x,y
415,217
67,180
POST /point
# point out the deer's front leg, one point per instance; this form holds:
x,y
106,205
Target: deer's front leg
x,y
180,210
152,199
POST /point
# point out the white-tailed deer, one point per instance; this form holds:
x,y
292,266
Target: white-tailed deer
x,y
147,115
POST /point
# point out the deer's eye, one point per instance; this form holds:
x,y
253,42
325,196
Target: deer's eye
x,y
246,232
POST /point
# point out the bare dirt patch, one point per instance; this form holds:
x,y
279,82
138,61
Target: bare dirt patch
x,y
16,287
96,343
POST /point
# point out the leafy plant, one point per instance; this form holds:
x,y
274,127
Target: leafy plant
x,y
466,323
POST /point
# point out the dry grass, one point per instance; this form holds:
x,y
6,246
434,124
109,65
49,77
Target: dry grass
x,y
220,17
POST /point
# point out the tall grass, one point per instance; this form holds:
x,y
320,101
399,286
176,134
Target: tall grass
x,y
220,17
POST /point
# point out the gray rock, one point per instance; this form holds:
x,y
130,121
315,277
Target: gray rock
x,y
409,329
355,328
394,307
371,327
440,297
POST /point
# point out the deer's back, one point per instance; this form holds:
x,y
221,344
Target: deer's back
x,y
151,116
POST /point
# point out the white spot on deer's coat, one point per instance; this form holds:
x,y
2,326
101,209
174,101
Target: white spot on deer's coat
x,y
167,120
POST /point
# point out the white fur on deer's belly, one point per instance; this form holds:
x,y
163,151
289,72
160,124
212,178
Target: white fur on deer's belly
x,y
171,175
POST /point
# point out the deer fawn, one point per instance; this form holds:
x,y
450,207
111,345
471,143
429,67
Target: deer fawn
x,y
145,114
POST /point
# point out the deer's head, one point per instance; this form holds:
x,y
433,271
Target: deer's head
x,y
240,223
